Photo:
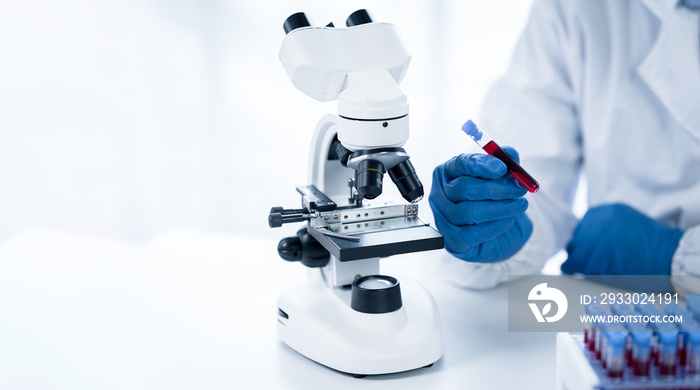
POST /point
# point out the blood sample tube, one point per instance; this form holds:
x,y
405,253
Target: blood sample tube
x,y
603,348
641,353
654,348
688,326
668,347
620,309
589,331
491,147
651,310
598,342
693,353
629,344
615,353
637,327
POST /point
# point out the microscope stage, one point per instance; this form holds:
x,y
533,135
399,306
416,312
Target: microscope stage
x,y
381,243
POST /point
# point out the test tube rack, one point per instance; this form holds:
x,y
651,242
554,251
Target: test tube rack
x,y
633,355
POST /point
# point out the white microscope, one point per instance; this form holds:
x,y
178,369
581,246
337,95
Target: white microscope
x,y
348,316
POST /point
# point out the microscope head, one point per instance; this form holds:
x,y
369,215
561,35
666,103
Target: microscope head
x,y
361,66
318,59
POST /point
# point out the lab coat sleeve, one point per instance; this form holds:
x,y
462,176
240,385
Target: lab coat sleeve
x,y
686,258
533,109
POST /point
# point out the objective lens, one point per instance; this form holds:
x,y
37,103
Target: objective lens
x,y
406,180
370,174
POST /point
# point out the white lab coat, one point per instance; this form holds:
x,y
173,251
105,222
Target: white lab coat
x,y
610,90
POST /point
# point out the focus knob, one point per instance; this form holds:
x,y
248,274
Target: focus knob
x,y
289,248
305,248
274,219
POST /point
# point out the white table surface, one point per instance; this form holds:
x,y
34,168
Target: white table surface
x,y
196,310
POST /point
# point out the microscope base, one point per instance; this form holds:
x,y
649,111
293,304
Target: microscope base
x,y
319,323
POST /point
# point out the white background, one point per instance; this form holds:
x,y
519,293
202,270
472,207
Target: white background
x,y
124,119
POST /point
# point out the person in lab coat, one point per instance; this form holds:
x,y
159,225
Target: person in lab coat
x,y
607,89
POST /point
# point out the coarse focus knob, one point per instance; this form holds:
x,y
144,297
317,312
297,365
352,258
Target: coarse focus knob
x,y
305,248
289,248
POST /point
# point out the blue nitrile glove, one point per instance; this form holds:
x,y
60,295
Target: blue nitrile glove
x,y
618,240
479,207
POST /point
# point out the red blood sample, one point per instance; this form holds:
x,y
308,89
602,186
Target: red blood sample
x,y
514,168
641,367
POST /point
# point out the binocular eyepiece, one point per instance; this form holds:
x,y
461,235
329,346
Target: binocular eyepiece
x,y
299,20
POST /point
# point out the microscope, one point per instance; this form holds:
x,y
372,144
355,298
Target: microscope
x,y
348,316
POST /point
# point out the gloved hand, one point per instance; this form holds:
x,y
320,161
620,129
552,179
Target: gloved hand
x,y
618,240
479,207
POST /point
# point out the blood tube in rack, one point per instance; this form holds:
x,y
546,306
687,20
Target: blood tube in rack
x,y
641,353
615,353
